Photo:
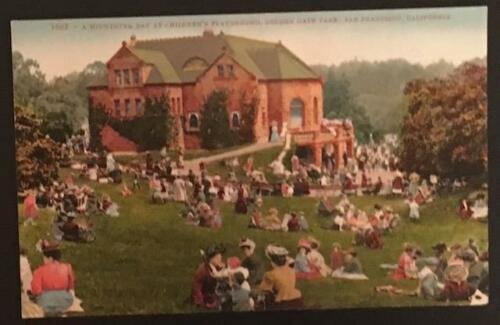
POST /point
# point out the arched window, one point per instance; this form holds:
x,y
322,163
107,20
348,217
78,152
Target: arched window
x,y
296,113
195,64
235,120
193,122
316,113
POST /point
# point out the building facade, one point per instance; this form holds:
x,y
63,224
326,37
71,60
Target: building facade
x,y
187,70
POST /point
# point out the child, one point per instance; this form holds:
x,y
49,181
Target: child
x,y
30,208
136,185
414,211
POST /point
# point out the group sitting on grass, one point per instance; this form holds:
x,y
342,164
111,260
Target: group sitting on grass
x,y
367,228
291,222
243,284
460,273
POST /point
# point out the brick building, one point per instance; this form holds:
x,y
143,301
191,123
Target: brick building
x,y
188,69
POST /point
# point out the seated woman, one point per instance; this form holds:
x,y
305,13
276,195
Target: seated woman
x,y
109,207
325,208
316,259
53,283
397,183
456,287
126,190
272,221
203,289
351,269
464,210
429,286
205,214
304,269
279,283
336,257
256,220
406,268
480,207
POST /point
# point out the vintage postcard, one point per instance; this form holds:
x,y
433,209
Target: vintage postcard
x,y
226,163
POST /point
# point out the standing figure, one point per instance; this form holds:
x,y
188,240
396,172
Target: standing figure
x,y
30,208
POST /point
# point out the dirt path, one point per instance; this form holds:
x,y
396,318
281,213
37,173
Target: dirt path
x,y
194,163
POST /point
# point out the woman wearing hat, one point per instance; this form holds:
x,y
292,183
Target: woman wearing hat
x,y
279,283
304,269
406,264
204,284
53,283
456,287
251,262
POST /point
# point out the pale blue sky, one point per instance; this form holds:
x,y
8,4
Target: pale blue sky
x,y
418,35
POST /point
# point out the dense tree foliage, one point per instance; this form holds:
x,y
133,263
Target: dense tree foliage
x,y
246,131
36,154
340,102
379,85
152,130
444,130
215,129
61,94
57,126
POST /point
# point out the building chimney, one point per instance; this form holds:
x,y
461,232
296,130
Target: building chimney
x,y
208,32
132,41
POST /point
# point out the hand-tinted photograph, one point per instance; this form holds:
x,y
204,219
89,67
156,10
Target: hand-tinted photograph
x,y
252,162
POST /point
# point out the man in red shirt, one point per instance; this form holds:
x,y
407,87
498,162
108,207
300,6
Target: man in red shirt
x,y
53,282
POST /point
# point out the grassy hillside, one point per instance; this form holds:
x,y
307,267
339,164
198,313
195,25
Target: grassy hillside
x,y
144,261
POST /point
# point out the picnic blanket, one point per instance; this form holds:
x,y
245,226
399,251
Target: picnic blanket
x,y
340,274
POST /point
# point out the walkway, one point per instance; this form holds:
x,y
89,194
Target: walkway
x,y
194,163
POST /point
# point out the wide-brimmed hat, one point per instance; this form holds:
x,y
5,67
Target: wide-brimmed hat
x,y
303,242
273,250
456,273
467,255
314,241
247,242
388,209
213,250
440,247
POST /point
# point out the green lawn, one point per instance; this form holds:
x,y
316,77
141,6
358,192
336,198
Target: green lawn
x,y
144,261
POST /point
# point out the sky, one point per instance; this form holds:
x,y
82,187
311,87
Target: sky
x,y
423,36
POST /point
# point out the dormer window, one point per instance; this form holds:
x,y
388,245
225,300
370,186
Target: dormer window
x,y
135,76
126,77
118,77
220,70
230,70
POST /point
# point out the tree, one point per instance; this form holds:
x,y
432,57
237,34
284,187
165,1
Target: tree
x,y
57,126
248,115
36,155
29,81
340,102
444,130
152,130
215,130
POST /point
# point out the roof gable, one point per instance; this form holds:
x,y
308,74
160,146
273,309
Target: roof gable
x,y
263,59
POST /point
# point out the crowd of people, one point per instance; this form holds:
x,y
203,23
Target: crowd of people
x,y
241,283
456,273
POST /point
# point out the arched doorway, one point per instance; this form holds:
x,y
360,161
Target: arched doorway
x,y
296,113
